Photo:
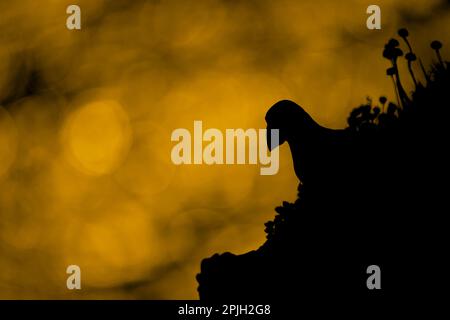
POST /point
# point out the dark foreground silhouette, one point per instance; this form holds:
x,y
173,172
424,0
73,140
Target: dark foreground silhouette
x,y
374,193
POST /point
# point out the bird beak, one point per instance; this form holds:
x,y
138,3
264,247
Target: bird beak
x,y
271,144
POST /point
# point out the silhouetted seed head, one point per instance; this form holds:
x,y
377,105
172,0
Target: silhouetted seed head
x,y
410,56
383,100
388,53
403,32
390,71
436,45
393,43
391,108
398,52
376,111
391,51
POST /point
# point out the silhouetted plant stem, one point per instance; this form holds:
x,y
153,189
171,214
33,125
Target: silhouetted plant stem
x,y
412,73
383,101
403,33
409,46
401,92
427,78
392,52
396,91
410,56
440,58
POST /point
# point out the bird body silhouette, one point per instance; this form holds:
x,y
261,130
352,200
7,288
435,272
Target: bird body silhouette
x,y
321,156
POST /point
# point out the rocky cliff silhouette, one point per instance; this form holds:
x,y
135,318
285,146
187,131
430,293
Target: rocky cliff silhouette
x,y
371,194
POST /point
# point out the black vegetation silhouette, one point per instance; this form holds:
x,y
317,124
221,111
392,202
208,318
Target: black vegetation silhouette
x,y
371,194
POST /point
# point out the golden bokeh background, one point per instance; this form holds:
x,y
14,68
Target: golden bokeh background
x,y
86,118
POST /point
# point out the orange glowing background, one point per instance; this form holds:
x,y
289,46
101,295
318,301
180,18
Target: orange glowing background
x,y
86,117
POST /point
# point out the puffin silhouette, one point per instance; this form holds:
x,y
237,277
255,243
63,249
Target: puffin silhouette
x,y
319,154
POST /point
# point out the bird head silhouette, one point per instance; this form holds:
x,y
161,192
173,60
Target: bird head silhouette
x,y
291,121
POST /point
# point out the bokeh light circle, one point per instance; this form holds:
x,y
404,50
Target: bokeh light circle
x,y
97,137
